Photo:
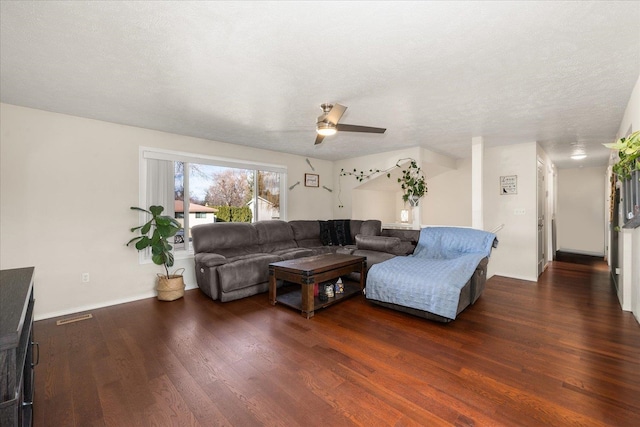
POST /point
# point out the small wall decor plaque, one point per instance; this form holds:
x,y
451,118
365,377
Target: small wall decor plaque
x,y
509,184
311,180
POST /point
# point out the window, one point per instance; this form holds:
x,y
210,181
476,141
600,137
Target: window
x,y
197,189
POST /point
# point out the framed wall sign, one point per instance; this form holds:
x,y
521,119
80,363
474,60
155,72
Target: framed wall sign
x,y
311,180
509,184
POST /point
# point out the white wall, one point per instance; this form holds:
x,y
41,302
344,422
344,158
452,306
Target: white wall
x,y
631,117
449,199
517,252
370,204
66,185
580,212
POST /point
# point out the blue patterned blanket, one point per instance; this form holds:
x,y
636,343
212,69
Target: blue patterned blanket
x,y
431,279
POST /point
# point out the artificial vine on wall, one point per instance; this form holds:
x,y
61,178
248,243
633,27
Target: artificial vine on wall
x,y
412,182
360,176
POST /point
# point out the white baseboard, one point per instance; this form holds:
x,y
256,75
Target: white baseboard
x,y
74,310
511,276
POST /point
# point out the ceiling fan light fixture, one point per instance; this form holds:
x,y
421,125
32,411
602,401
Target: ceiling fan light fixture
x,y
578,151
325,129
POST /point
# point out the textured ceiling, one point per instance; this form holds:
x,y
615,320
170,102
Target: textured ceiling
x,y
435,74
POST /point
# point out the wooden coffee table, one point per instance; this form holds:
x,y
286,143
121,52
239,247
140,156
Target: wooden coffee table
x,y
311,270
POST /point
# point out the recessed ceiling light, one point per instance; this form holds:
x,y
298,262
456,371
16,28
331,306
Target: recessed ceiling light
x,y
578,156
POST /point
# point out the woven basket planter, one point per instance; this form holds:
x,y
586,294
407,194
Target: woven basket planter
x,y
170,288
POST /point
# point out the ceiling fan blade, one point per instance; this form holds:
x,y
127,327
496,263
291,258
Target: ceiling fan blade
x,y
355,128
335,113
319,139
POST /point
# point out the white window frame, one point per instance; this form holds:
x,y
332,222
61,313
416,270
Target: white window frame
x,y
181,156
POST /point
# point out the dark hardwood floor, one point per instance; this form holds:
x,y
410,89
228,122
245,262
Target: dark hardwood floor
x,y
558,352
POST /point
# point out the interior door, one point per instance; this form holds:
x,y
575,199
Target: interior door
x,y
542,198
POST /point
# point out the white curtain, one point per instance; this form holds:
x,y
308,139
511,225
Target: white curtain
x,y
160,185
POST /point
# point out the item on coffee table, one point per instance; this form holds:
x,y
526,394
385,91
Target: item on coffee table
x,y
323,297
339,288
328,289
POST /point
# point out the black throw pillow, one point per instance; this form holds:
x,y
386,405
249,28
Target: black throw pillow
x,y
342,230
325,233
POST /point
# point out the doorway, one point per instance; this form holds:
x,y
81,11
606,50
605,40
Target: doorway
x,y
542,206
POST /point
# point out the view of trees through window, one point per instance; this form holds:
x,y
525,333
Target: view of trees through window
x,y
225,194
206,189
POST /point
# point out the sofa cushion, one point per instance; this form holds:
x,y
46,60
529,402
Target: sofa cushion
x,y
411,236
306,233
293,253
371,227
228,239
244,272
347,250
274,235
373,257
355,225
319,250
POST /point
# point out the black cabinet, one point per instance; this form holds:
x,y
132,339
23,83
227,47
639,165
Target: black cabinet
x,y
16,347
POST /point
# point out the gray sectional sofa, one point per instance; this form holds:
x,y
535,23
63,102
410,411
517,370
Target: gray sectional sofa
x,y
232,259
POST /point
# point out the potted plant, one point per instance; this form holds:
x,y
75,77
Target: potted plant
x,y
629,154
155,234
412,183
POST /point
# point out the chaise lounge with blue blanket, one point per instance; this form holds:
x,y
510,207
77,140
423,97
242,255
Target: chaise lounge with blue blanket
x,y
445,274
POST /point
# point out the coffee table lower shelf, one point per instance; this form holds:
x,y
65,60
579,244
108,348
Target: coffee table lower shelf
x,y
290,295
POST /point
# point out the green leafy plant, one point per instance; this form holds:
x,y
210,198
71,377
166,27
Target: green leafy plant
x,y
629,153
412,182
155,234
233,213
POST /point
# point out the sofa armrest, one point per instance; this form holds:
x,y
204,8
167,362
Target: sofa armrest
x,y
210,260
409,239
378,243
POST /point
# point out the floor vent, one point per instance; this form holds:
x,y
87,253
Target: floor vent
x,y
74,319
